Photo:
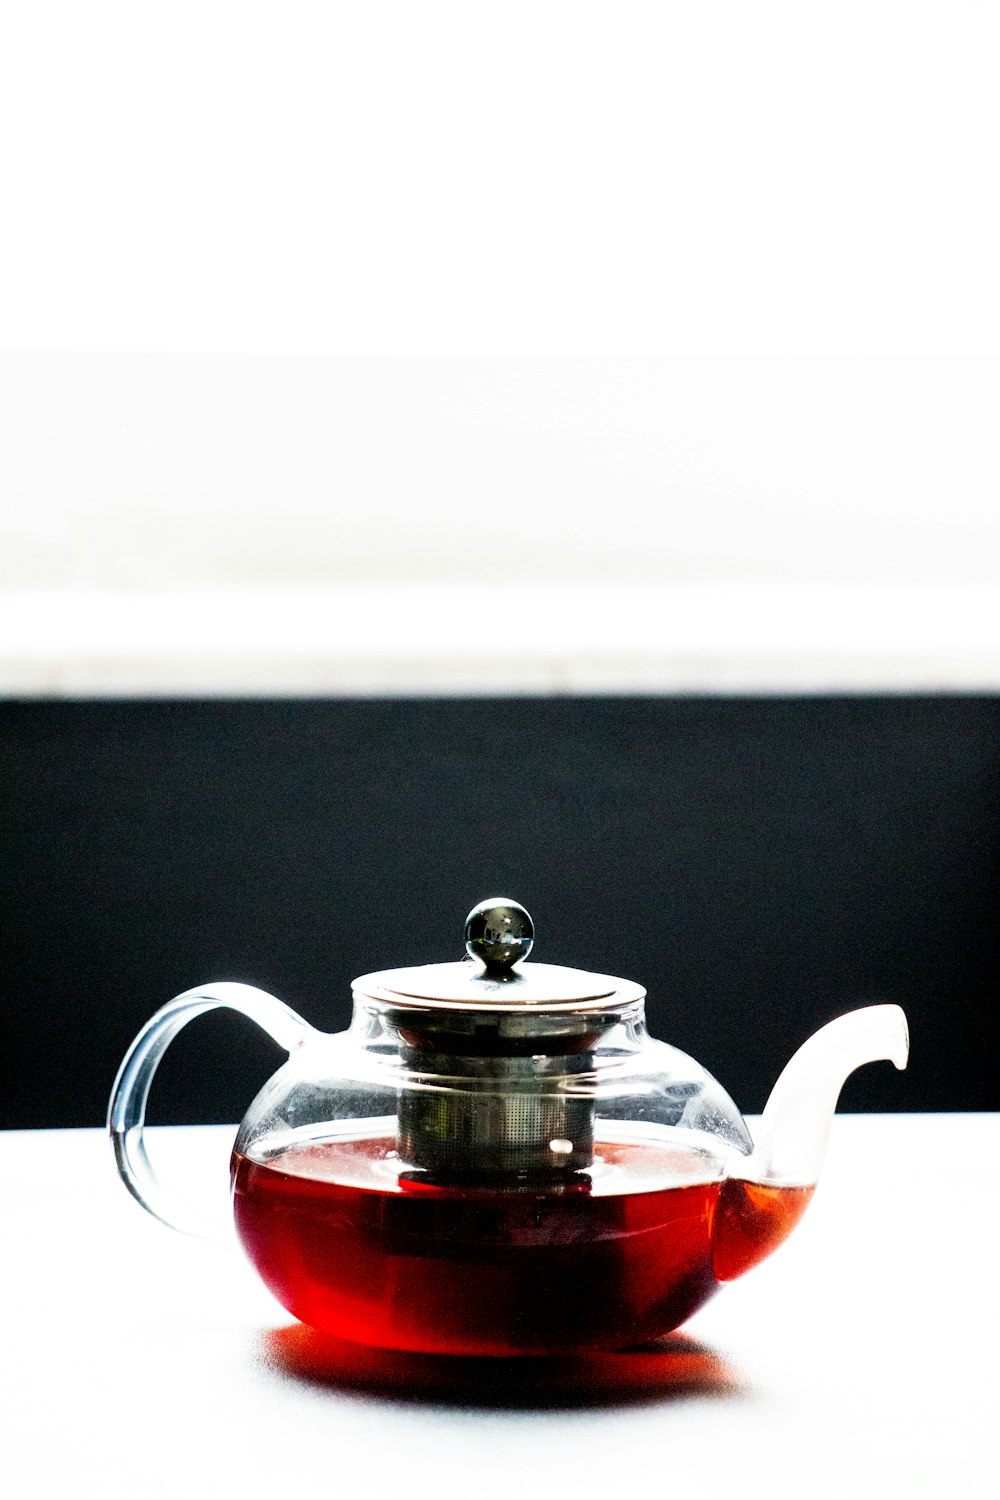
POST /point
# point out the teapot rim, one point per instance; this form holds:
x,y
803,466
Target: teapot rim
x,y
535,988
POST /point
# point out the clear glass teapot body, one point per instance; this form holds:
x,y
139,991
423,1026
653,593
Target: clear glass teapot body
x,y
455,1180
537,1204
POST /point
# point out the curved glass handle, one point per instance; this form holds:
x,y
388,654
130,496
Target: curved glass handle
x,y
127,1108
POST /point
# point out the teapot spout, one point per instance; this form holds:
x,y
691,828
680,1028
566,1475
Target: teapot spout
x,y
791,1140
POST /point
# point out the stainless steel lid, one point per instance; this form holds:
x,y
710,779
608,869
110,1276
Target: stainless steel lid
x,y
499,935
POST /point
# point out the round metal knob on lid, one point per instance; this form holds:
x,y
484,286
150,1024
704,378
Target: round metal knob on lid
x,y
499,935
500,932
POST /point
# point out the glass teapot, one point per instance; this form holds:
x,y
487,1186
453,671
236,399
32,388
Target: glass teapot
x,y
496,1158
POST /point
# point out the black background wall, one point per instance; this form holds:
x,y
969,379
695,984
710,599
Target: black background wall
x,y
761,865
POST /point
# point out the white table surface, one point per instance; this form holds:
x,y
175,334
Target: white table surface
x,y
861,1360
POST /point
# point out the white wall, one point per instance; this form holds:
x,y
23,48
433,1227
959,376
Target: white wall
x,y
198,523
526,177
544,178
173,471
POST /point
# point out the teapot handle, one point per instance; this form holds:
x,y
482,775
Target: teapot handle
x,y
127,1107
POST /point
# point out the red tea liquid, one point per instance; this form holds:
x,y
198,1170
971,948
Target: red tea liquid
x,y
624,1253
751,1220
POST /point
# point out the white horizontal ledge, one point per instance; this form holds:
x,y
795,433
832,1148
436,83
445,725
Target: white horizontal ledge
x,y
501,639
